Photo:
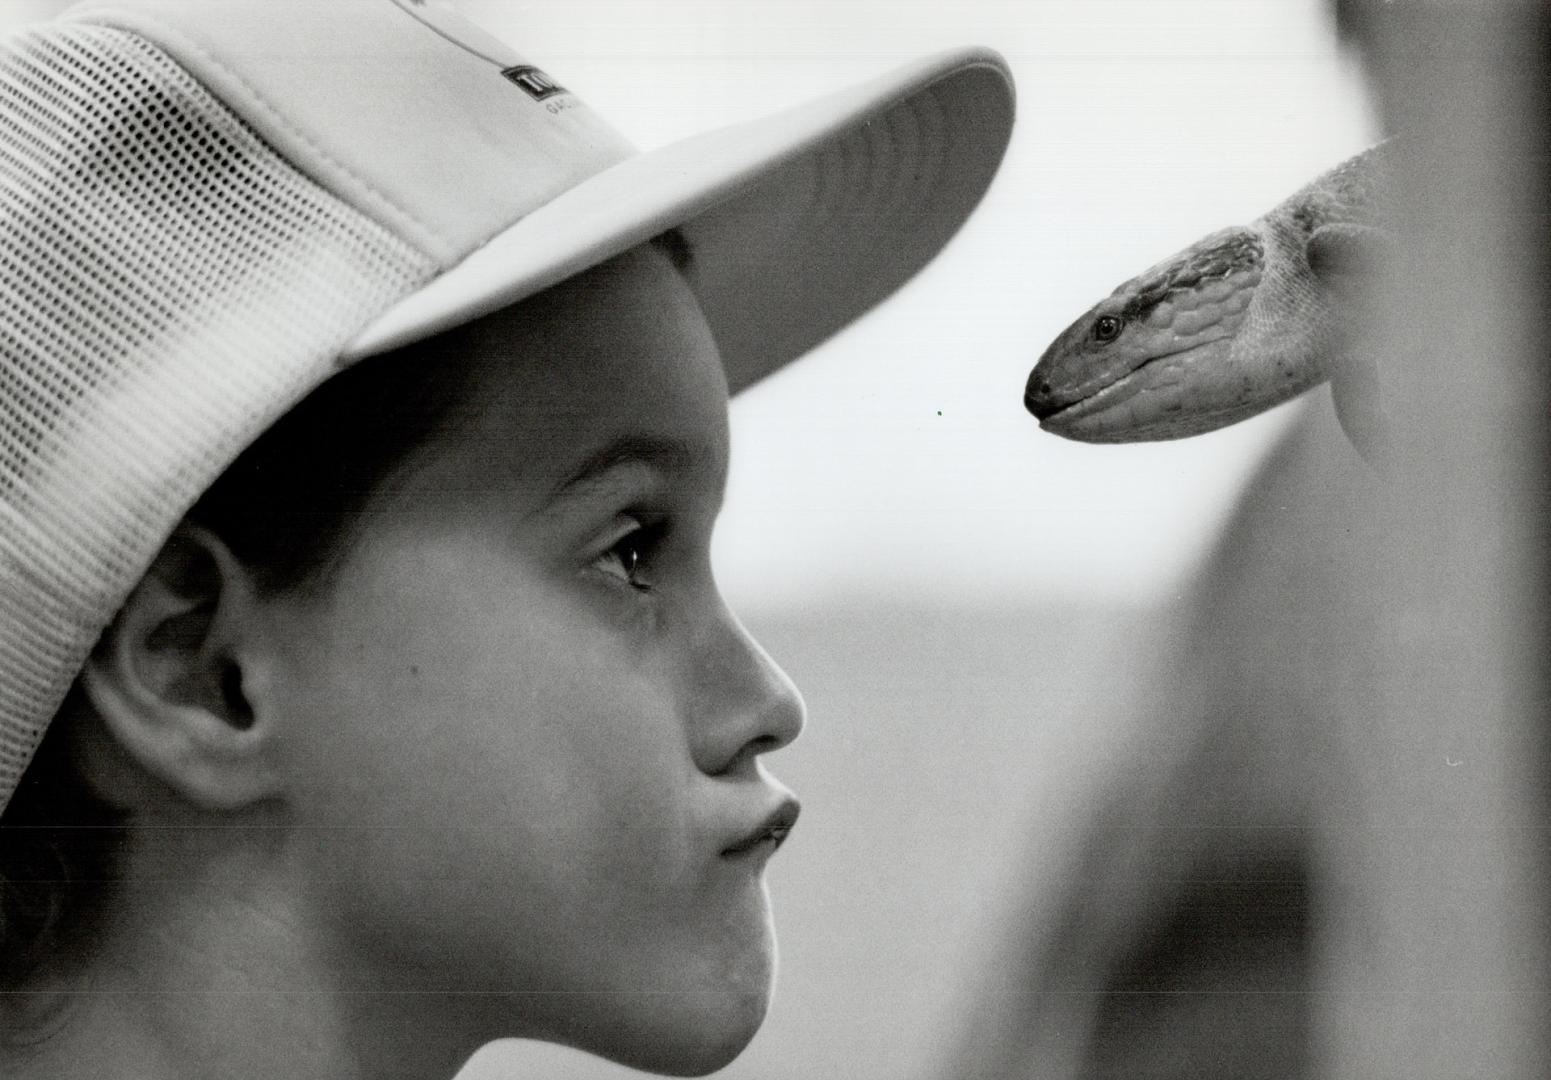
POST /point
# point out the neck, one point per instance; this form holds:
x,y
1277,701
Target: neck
x,y
210,966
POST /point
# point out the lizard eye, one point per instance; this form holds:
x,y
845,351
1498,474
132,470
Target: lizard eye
x,y
1106,328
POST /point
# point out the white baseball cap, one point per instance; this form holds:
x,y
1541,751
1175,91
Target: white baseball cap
x,y
207,208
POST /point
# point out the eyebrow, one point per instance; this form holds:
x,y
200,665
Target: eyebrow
x,y
664,455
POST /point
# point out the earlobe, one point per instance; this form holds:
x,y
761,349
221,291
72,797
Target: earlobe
x,y
167,677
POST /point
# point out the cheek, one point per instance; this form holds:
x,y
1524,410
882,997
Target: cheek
x,y
463,770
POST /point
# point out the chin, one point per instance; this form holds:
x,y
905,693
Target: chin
x,y
699,1031
701,1060
697,1039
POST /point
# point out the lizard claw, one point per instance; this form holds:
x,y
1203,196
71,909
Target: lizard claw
x,y
1354,390
1349,262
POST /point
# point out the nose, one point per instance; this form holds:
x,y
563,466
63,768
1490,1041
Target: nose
x,y
745,705
1039,396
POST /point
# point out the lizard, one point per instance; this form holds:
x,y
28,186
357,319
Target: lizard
x,y
1241,320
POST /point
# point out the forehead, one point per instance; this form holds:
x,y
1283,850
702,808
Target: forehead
x,y
621,352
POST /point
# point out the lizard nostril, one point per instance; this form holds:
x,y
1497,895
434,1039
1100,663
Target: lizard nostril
x,y
1036,398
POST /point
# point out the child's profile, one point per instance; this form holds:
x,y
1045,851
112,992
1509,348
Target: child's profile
x,y
367,693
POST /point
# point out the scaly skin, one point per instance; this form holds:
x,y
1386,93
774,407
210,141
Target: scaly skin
x,y
1234,324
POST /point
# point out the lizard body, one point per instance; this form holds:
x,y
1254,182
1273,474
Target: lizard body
x,y
1243,319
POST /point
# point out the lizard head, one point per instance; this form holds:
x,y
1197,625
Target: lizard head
x,y
1153,359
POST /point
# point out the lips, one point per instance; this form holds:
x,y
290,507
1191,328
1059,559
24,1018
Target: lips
x,y
769,834
1143,403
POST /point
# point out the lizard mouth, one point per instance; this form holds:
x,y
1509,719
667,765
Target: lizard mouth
x,y
1143,403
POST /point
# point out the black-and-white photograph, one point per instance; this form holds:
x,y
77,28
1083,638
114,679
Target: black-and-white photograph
x,y
775,539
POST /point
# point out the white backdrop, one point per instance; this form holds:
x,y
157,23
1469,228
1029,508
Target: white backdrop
x,y
899,457
896,465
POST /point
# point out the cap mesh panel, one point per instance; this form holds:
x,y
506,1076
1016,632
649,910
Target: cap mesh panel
x,y
168,286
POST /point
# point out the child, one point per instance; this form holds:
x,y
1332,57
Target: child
x,y
365,694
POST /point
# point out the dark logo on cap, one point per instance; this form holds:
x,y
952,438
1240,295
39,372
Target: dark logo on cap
x,y
538,85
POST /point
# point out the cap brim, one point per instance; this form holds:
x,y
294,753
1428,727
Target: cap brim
x,y
797,223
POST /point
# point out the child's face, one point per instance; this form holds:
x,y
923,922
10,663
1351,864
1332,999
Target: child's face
x,y
519,725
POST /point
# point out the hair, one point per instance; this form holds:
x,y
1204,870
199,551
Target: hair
x,y
287,509
57,844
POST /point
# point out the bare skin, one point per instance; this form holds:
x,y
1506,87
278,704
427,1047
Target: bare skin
x,y
1242,320
500,774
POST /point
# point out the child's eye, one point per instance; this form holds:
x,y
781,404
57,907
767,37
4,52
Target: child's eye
x,y
629,557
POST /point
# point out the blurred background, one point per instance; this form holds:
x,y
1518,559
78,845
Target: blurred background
x,y
970,606
981,616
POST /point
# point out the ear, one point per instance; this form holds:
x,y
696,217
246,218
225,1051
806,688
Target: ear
x,y
167,681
